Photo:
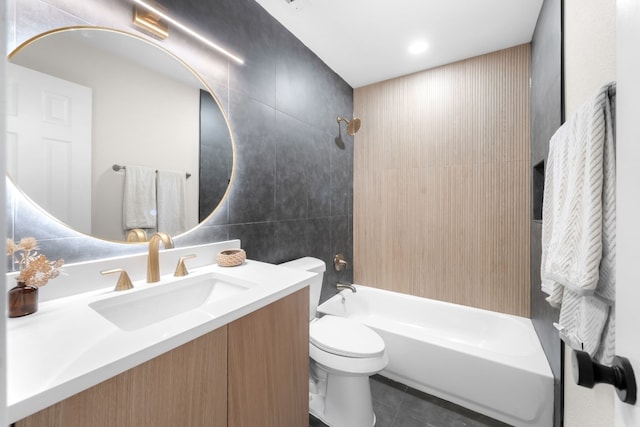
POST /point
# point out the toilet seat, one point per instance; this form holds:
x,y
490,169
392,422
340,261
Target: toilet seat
x,y
344,337
349,366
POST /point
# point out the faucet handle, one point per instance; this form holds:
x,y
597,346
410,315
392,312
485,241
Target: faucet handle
x,y
124,282
181,268
339,263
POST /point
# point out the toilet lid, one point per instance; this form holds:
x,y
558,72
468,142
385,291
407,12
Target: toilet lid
x,y
345,337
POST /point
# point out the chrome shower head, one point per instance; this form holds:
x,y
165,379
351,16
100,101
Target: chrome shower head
x,y
352,126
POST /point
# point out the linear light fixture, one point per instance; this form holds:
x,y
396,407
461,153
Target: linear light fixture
x,y
151,22
188,30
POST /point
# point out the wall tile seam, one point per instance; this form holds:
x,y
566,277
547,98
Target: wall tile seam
x,y
311,125
278,221
63,11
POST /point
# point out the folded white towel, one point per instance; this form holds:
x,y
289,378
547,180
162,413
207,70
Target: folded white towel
x,y
172,206
578,229
139,197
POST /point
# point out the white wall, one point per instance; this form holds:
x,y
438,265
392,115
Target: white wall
x,y
133,123
628,203
589,62
3,298
589,49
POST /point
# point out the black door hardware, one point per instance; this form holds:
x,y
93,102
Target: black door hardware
x,y
587,373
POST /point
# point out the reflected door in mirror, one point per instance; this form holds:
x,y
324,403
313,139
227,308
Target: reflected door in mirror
x,y
49,143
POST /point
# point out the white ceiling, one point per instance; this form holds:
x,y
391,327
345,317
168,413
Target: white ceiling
x,y
366,41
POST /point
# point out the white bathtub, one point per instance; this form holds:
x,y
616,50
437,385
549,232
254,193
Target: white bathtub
x,y
489,362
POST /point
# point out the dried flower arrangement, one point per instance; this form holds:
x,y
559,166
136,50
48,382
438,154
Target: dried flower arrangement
x,y
35,269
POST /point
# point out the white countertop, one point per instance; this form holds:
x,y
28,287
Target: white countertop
x,y
66,346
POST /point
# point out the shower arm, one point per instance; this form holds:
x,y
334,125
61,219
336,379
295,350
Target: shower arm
x,y
352,125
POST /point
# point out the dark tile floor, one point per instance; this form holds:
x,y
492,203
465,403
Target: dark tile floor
x,y
397,405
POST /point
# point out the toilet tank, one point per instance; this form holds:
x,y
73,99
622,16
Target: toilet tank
x,y
313,265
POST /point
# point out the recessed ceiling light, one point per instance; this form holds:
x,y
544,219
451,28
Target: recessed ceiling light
x,y
418,47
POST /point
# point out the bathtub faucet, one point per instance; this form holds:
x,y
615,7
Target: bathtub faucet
x,y
341,286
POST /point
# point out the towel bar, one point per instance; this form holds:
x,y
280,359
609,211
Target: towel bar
x,y
120,167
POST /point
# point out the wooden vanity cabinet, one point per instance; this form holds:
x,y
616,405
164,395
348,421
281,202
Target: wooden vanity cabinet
x,y
251,372
268,365
183,387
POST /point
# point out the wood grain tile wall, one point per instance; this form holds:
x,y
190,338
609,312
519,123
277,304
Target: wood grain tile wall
x,y
442,183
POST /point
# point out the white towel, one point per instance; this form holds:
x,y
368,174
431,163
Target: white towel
x,y
139,197
578,229
172,206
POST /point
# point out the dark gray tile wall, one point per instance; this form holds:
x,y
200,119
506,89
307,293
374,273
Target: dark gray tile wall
x,y
292,192
216,156
546,118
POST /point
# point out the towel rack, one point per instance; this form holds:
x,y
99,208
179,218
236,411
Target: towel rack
x,y
120,167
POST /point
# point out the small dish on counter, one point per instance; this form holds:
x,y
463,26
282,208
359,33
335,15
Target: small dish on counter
x,y
231,257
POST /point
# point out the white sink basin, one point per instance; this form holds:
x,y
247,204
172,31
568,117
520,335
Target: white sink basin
x,y
154,302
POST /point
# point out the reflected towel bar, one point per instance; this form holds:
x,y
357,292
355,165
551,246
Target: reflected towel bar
x,y
119,167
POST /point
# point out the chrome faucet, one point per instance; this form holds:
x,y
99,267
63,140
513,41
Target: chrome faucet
x,y
153,259
341,286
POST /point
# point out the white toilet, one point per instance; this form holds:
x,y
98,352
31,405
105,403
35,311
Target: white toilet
x,y
343,354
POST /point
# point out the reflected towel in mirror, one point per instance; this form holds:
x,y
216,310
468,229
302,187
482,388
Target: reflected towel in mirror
x,y
139,197
171,200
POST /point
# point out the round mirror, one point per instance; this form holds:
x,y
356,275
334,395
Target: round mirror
x,y
110,133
